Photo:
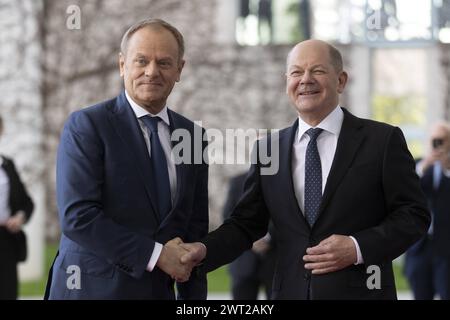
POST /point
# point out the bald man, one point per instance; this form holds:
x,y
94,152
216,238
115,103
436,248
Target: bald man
x,y
427,263
345,201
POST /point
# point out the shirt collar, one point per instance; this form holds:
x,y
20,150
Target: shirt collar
x,y
332,123
141,112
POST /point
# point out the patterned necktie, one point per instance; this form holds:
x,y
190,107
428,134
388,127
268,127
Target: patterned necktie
x,y
161,188
313,177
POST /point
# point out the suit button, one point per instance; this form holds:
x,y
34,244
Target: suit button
x,y
306,276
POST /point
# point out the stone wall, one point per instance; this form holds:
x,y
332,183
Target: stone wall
x,y
48,70
224,86
21,110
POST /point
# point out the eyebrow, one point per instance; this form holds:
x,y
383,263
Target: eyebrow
x,y
142,55
313,67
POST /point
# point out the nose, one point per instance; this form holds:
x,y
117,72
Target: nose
x,y
151,69
306,78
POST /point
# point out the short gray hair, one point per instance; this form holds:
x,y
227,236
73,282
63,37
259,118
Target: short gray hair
x,y
335,58
153,23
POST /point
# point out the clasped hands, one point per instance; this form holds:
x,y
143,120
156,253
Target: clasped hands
x,y
177,258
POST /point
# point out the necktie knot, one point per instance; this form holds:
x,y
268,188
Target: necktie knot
x,y
313,133
151,122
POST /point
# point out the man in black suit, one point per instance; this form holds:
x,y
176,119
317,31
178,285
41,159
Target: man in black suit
x,y
345,201
427,262
254,268
15,209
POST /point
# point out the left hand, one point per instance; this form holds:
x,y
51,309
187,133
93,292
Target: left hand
x,y
261,246
15,223
331,254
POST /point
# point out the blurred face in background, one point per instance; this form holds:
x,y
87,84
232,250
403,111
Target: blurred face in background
x,y
312,82
440,140
150,67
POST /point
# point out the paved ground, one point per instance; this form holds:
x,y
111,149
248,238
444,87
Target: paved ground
x,y
403,295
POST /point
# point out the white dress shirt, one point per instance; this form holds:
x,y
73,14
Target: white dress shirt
x,y
326,145
5,211
164,137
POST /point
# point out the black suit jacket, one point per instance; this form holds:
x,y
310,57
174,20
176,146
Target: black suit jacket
x,y
372,193
19,200
439,204
18,195
249,263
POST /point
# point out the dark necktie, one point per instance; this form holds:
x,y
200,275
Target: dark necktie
x,y
313,177
161,187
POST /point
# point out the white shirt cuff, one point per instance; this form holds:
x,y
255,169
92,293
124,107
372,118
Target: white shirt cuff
x,y
419,168
267,237
155,256
446,172
359,258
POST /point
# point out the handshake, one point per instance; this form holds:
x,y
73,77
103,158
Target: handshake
x,y
177,258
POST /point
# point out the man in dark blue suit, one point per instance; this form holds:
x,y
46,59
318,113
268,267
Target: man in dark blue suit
x,y
122,195
427,263
345,201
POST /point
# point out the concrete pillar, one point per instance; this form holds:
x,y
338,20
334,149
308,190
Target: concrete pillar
x,y
225,21
21,108
360,85
436,81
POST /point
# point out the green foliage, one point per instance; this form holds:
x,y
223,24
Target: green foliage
x,y
219,280
399,110
37,288
407,112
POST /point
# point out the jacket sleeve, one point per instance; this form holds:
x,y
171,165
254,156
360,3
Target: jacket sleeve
x,y
21,200
196,287
79,179
408,217
248,223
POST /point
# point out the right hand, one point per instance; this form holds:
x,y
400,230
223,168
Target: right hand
x,y
195,253
170,260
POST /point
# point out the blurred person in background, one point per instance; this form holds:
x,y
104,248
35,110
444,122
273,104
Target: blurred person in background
x,y
16,208
427,263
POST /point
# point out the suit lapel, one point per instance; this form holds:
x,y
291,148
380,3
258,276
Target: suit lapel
x,y
285,170
350,138
127,126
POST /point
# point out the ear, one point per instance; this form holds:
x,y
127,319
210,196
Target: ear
x,y
180,68
342,81
121,64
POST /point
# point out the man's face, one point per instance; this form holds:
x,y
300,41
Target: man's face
x,y
150,67
440,139
313,84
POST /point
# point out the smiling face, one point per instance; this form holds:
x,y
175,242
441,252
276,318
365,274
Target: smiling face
x,y
313,82
150,67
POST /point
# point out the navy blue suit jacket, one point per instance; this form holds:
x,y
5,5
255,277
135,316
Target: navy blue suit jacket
x,y
107,211
372,193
